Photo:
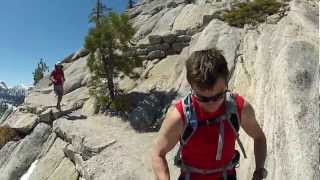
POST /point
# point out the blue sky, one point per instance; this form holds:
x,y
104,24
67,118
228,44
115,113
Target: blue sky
x,y
49,29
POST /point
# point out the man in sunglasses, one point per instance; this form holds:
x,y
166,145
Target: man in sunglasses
x,y
207,149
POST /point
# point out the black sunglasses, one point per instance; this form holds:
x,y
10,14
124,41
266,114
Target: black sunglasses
x,y
211,98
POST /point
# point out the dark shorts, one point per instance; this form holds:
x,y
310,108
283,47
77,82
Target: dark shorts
x,y
58,90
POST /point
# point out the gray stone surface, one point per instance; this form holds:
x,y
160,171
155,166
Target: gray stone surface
x,y
163,76
148,25
135,11
177,47
132,164
6,151
171,4
156,54
154,47
65,170
49,162
75,74
80,53
156,9
49,101
183,38
169,37
90,107
220,35
142,52
68,58
165,23
87,141
25,153
155,39
44,82
279,77
6,114
23,122
191,17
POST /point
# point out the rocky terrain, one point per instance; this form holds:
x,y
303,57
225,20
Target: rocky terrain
x,y
274,65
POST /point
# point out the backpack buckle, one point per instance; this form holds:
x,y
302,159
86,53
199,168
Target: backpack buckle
x,y
210,122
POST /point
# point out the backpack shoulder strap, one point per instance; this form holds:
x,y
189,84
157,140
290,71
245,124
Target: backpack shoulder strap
x,y
232,111
190,126
191,121
233,118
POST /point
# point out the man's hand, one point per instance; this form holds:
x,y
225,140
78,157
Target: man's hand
x,y
255,177
259,174
52,80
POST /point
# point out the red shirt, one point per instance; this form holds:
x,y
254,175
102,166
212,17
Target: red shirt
x,y
201,149
58,75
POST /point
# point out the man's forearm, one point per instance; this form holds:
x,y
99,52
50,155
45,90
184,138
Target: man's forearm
x,y
260,151
160,168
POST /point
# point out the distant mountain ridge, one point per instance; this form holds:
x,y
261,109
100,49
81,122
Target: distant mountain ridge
x,y
14,95
3,85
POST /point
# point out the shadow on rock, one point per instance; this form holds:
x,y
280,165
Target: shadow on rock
x,y
149,109
9,134
74,117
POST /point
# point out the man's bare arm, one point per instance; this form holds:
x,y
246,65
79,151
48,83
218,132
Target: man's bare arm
x,y
52,78
168,137
252,128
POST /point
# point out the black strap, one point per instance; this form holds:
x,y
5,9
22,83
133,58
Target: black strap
x,y
214,121
209,122
187,132
235,122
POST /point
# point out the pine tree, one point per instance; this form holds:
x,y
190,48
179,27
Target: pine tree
x,y
110,54
98,12
39,71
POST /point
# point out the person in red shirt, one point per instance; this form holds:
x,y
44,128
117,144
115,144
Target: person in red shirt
x,y
201,157
57,78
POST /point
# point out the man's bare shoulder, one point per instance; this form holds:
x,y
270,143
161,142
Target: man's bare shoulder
x,y
172,119
248,109
249,122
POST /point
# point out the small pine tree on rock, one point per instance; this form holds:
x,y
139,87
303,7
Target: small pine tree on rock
x,y
110,53
38,73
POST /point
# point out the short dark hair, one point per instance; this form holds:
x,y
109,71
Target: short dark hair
x,y
205,67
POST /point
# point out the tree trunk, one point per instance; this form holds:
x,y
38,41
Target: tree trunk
x,y
108,62
98,13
